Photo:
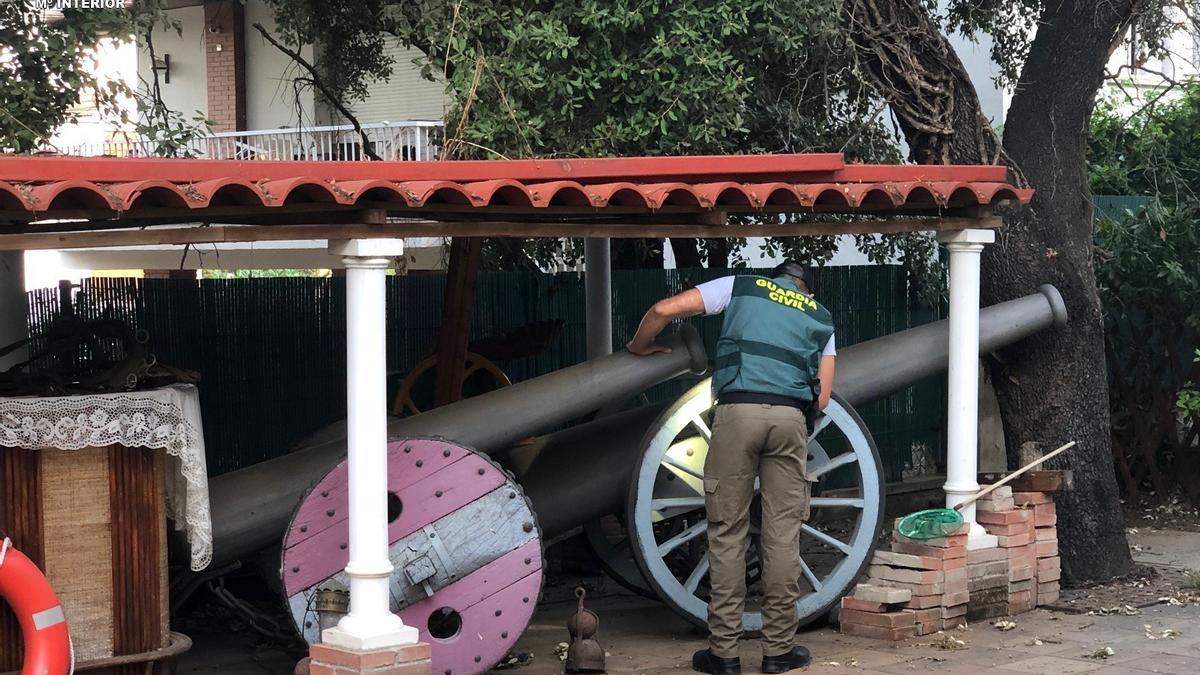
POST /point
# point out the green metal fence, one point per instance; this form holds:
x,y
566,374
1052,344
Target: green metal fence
x,y
271,351
1116,206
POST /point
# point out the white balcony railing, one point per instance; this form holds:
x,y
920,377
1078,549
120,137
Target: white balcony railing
x,y
393,141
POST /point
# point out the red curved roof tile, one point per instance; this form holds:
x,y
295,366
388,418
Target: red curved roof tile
x,y
34,188
150,193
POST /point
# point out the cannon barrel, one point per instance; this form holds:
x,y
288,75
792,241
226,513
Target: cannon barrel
x,y
583,472
251,506
871,370
579,474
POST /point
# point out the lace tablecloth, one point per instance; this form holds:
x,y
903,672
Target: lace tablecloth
x,y
166,419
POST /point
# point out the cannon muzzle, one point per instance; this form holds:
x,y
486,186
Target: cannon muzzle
x,y
871,370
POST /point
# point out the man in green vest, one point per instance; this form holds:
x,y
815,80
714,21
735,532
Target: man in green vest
x,y
774,362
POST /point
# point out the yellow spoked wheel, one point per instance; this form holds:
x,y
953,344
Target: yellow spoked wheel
x,y
415,393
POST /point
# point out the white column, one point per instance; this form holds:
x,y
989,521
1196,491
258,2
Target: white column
x,y
962,419
14,309
597,285
370,623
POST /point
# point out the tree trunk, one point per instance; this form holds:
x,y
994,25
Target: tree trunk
x,y
916,70
1057,389
1052,387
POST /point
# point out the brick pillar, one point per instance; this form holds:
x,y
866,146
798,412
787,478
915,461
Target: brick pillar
x,y
406,660
225,56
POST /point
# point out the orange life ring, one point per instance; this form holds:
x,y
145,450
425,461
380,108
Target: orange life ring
x,y
43,626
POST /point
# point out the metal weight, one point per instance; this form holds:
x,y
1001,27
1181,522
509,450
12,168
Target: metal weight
x,y
331,605
584,654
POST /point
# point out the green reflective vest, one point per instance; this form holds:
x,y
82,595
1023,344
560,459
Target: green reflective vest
x,y
771,340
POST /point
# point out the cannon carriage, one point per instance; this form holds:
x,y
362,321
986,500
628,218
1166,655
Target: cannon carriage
x,y
475,493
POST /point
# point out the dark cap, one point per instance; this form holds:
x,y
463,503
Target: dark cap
x,y
794,269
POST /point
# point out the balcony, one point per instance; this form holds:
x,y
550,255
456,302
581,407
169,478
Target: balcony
x,y
392,141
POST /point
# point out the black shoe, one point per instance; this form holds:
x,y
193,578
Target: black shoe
x,y
703,661
797,658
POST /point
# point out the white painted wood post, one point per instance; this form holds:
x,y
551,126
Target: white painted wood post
x,y
370,624
962,419
14,309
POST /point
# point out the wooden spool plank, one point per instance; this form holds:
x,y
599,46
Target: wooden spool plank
x,y
459,545
332,492
491,622
440,494
475,550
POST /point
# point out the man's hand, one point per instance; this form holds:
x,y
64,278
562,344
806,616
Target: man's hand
x,y
646,350
687,303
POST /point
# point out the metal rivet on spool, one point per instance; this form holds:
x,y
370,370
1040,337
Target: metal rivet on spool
x,y
446,452
308,624
304,528
525,600
343,547
499,612
438,493
330,513
478,659
324,493
420,463
433,535
407,449
480,471
504,635
295,569
512,495
528,560
528,527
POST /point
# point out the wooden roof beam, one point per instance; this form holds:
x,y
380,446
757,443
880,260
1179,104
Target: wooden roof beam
x,y
361,230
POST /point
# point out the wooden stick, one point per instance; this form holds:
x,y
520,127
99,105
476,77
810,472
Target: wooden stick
x,y
1013,475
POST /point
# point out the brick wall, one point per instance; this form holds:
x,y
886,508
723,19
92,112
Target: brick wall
x,y
225,55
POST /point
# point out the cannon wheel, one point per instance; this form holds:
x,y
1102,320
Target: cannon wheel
x,y
405,404
666,510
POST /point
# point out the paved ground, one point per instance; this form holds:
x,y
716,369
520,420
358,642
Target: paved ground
x,y
1165,548
641,638
644,637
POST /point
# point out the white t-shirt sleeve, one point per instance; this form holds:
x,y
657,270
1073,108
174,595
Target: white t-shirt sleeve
x,y
716,294
830,347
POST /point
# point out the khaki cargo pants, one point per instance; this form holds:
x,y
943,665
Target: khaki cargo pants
x,y
771,443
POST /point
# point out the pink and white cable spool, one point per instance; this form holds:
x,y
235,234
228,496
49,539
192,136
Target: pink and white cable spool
x,y
464,542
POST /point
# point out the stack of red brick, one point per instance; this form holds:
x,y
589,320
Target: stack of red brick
x,y
917,588
1049,565
921,587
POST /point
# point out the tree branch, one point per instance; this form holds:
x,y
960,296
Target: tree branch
x,y
319,83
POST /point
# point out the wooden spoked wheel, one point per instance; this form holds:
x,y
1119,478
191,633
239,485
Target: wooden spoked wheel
x,y
415,394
